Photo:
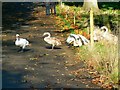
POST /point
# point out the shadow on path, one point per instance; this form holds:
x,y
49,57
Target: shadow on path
x,y
39,66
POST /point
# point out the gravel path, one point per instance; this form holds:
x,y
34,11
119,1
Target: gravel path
x,y
39,66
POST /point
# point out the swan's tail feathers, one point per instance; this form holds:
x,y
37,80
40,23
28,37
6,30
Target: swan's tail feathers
x,y
27,43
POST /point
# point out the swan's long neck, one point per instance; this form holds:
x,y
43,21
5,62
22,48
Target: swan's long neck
x,y
48,35
106,31
17,38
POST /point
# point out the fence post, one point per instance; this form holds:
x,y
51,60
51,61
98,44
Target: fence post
x,y
91,28
74,17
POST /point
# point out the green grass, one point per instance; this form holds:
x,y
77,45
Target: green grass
x,y
103,58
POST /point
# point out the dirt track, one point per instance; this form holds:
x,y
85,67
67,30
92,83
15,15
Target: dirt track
x,y
39,66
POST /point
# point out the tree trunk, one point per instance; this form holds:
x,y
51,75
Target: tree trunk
x,y
88,4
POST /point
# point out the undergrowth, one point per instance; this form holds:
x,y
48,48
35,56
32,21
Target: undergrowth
x,y
103,58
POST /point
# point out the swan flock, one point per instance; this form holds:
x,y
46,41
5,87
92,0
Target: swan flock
x,y
99,34
76,39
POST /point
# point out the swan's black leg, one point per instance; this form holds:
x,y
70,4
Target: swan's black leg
x,y
53,47
21,49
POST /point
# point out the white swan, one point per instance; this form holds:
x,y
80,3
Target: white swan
x,y
51,40
108,36
77,39
21,42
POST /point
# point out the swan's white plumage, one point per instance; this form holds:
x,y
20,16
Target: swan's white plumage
x,y
77,39
108,36
97,34
21,42
84,39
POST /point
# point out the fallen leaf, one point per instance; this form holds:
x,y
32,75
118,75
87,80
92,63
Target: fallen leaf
x,y
33,58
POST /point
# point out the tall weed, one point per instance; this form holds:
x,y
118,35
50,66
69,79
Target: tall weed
x,y
103,58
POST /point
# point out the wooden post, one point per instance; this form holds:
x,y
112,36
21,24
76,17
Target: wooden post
x,y
74,18
91,28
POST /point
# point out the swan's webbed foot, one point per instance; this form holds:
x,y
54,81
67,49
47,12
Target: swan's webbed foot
x,y
22,50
